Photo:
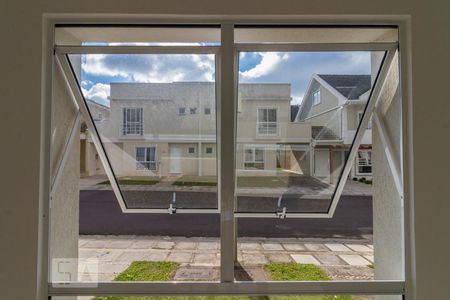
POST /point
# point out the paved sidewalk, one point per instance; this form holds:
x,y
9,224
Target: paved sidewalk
x,y
200,257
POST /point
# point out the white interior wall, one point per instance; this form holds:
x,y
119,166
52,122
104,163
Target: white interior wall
x,y
23,63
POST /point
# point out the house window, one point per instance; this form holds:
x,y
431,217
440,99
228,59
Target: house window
x,y
132,121
191,150
364,162
359,118
209,150
254,158
193,110
146,158
182,111
207,111
316,98
267,121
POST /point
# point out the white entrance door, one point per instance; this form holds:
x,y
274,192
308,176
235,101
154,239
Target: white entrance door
x,y
321,163
175,160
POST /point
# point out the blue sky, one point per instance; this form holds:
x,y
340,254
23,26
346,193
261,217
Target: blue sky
x,y
254,67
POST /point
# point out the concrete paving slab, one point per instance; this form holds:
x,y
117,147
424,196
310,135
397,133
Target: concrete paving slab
x,y
254,259
329,259
355,260
359,248
156,256
130,256
305,259
208,246
369,258
164,245
205,259
272,246
294,247
185,246
338,247
120,243
143,244
316,247
181,257
195,274
278,258
249,246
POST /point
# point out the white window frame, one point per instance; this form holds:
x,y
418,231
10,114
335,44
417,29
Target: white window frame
x,y
359,162
132,128
253,160
226,114
316,100
267,124
144,164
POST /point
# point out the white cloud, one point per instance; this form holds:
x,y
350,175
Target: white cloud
x,y
269,62
150,68
98,93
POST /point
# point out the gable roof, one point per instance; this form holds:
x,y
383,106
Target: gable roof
x,y
294,111
349,86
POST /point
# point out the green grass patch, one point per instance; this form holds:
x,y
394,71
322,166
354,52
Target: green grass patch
x,y
135,180
300,272
371,266
187,180
294,271
260,181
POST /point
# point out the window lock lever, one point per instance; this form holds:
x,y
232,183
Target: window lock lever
x,y
173,206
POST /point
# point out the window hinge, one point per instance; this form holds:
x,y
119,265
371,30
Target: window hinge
x,y
173,206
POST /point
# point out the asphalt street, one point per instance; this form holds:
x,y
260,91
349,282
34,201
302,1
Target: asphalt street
x,y
101,214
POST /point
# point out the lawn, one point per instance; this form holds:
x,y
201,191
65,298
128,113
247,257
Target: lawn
x,y
164,271
188,180
260,182
242,181
135,180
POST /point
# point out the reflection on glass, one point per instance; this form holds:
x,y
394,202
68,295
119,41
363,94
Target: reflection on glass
x,y
156,118
297,117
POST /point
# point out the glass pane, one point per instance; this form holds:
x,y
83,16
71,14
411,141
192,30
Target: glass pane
x,y
146,133
306,107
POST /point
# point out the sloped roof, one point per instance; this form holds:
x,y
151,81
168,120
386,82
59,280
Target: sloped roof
x,y
294,111
350,86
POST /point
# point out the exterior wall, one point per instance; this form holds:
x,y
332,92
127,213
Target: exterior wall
x,y
352,115
160,100
209,161
331,120
98,112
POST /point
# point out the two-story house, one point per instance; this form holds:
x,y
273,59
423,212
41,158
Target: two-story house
x,y
334,105
160,129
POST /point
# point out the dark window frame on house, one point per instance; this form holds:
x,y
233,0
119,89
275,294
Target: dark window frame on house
x,y
147,159
130,127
